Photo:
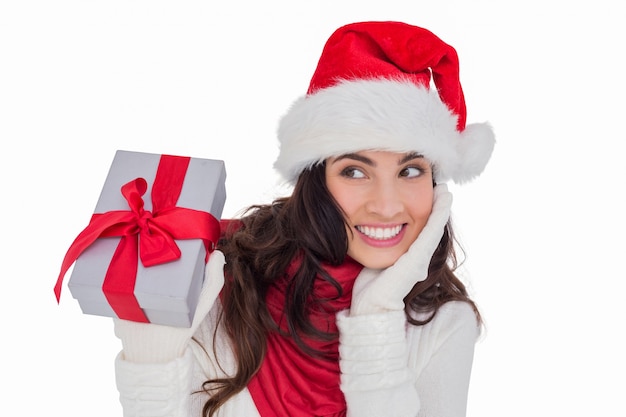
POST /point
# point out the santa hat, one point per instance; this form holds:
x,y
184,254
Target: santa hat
x,y
371,91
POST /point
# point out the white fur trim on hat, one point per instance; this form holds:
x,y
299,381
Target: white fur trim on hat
x,y
381,114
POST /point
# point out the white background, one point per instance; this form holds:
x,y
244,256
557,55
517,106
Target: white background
x,y
543,227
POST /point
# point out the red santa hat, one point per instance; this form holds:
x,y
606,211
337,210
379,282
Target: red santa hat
x,y
372,91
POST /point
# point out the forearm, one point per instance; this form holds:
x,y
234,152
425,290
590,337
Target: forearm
x,y
155,390
393,369
158,370
375,376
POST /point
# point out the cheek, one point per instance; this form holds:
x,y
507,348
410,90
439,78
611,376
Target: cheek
x,y
421,207
344,199
426,206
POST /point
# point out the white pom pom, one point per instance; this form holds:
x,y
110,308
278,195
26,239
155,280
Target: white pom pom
x,y
474,150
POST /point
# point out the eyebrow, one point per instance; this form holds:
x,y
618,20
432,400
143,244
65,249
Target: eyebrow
x,y
409,156
406,158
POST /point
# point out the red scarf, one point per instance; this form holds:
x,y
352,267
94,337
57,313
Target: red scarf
x,y
291,382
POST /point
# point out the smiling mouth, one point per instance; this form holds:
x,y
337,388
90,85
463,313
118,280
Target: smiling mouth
x,y
380,233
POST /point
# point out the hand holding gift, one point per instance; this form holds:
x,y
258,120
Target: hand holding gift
x,y
151,343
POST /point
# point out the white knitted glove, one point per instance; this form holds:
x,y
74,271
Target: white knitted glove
x,y
378,291
153,343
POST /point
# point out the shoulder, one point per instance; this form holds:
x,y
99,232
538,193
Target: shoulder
x,y
451,313
455,320
457,312
452,333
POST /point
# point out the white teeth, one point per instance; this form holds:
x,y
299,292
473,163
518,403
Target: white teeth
x,y
379,233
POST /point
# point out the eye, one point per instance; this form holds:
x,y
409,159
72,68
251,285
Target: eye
x,y
411,172
352,172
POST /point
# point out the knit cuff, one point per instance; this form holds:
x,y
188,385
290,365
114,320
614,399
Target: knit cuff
x,y
373,351
154,389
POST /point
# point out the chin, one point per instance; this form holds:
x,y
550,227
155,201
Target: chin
x,y
376,261
378,265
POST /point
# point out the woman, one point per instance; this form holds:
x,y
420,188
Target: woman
x,y
340,299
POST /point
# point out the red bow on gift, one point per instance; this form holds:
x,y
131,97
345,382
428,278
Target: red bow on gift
x,y
145,235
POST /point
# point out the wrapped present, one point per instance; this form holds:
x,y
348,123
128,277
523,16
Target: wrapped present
x,y
142,256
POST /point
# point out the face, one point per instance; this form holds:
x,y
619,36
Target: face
x,y
386,198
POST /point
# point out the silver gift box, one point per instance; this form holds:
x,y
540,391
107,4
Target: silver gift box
x,y
167,293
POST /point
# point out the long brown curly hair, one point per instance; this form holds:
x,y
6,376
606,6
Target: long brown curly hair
x,y
308,224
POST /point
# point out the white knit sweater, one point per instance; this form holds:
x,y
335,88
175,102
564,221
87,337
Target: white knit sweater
x,y
389,368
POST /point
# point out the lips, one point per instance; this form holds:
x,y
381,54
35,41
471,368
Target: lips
x,y
380,233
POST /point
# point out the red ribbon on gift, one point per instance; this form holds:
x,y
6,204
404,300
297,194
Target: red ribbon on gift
x,y
145,235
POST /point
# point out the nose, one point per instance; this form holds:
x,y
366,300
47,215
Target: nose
x,y
384,200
